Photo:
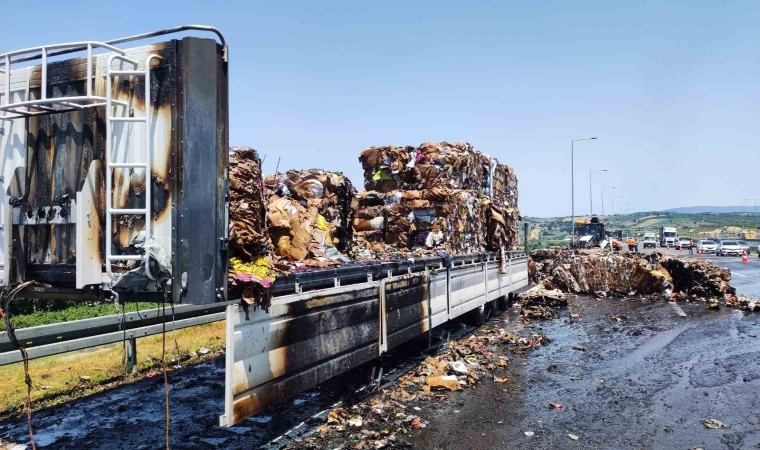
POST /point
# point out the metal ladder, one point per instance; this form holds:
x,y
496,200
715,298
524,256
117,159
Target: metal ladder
x,y
111,118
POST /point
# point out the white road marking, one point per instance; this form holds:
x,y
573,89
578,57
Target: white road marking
x,y
678,309
740,274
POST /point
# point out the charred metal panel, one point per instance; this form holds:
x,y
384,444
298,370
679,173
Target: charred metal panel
x,y
467,289
406,308
302,341
201,262
62,158
129,146
307,338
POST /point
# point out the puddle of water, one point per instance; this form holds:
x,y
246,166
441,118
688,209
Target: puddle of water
x,y
216,442
261,419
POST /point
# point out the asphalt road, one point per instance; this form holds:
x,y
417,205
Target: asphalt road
x,y
629,373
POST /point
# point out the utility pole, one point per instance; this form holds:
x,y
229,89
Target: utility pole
x,y
572,184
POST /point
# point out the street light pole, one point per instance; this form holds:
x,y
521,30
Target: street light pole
x,y
612,199
590,194
572,184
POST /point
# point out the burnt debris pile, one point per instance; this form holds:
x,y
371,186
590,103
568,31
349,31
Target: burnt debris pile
x,y
621,274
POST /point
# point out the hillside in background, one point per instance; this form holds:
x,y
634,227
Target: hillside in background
x,y
709,209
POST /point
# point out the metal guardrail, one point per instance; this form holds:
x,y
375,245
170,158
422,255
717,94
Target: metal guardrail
x,y
47,340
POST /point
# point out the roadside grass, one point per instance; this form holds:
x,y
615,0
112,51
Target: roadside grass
x,y
61,378
69,313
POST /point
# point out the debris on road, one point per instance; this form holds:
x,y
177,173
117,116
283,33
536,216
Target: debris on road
x,y
606,274
714,424
385,418
539,302
743,303
572,436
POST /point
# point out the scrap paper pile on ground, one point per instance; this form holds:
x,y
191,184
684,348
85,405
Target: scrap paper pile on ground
x,y
438,197
624,274
384,419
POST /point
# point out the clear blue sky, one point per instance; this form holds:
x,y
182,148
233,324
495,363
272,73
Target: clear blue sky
x,y
671,90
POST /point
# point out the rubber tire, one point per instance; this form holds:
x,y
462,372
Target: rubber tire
x,y
502,303
477,316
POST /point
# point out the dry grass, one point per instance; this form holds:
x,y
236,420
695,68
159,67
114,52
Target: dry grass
x,y
59,378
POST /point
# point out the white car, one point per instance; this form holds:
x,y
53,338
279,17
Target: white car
x,y
683,243
650,241
726,248
707,246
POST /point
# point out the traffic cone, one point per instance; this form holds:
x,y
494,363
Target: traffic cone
x,y
745,258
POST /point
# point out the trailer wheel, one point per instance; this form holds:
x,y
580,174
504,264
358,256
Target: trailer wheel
x,y
477,316
502,304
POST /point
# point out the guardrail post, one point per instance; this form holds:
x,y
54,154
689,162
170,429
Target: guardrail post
x,y
132,355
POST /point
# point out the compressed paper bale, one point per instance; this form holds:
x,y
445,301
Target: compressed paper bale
x,y
406,218
433,171
251,271
331,193
248,232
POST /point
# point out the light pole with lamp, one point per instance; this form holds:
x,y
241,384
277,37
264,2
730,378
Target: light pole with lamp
x,y
572,184
590,195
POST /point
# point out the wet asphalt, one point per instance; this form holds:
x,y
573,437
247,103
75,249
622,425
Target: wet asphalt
x,y
629,374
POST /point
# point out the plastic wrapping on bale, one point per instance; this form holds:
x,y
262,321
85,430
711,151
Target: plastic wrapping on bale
x,y
331,193
250,268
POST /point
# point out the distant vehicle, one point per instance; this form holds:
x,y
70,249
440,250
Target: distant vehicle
x,y
744,246
591,234
707,246
684,242
726,248
668,237
650,241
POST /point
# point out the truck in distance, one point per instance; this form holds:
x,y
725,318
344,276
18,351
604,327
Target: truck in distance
x,y
668,236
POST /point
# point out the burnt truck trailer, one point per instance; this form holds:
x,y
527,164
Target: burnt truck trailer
x,y
115,183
